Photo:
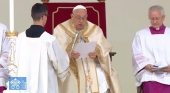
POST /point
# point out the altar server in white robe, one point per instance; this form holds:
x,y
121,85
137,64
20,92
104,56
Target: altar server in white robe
x,y
151,49
4,51
39,56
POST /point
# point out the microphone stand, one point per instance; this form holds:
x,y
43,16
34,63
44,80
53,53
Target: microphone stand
x,y
75,38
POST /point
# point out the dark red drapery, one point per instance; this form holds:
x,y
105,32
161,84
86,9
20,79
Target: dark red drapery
x,y
60,12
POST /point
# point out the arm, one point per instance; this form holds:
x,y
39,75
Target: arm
x,y
5,48
61,61
103,46
139,60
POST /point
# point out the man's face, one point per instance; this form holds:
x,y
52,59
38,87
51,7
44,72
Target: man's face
x,y
156,18
79,18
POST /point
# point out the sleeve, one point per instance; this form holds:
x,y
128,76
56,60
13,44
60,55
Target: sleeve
x,y
139,60
58,33
17,49
5,48
102,49
60,60
104,43
103,46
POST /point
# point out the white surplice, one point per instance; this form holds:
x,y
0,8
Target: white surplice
x,y
151,49
4,51
103,86
41,60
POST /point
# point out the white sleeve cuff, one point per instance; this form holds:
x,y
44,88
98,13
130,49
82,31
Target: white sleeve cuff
x,y
3,63
62,76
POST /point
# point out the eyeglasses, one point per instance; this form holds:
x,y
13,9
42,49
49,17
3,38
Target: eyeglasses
x,y
156,19
80,18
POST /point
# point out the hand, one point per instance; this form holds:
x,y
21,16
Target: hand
x,y
75,55
1,66
92,55
148,67
166,69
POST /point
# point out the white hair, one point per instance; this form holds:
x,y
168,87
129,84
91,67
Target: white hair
x,y
157,7
78,7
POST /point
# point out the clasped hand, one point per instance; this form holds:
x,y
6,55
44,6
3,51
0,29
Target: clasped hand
x,y
149,67
1,66
75,55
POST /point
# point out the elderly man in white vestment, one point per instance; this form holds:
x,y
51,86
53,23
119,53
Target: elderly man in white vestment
x,y
4,51
151,51
39,56
93,74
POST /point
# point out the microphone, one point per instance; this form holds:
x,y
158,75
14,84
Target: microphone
x,y
75,38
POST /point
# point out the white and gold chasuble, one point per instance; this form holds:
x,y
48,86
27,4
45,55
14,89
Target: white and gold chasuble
x,y
87,75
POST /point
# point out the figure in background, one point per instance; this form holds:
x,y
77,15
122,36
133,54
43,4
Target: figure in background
x,y
151,51
4,51
39,57
87,75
